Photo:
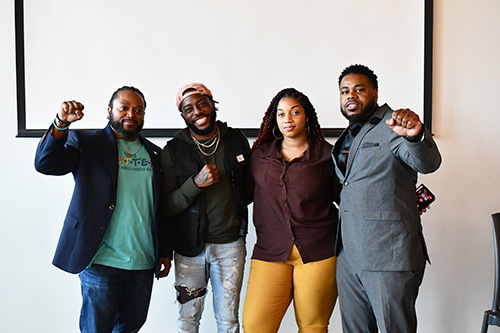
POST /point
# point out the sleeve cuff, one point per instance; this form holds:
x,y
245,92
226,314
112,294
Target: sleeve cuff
x,y
417,138
190,189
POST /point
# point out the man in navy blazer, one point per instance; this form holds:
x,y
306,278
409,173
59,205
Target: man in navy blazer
x,y
111,232
382,252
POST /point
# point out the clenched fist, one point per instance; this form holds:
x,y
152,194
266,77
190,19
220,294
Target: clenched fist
x,y
71,111
207,176
405,123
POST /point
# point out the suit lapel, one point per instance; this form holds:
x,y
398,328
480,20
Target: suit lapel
x,y
111,154
375,118
335,152
354,148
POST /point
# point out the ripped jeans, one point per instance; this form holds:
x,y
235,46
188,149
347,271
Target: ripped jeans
x,y
223,265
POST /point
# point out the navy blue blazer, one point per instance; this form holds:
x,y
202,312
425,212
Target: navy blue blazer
x,y
92,158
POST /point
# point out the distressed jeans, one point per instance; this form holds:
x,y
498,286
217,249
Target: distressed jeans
x,y
223,265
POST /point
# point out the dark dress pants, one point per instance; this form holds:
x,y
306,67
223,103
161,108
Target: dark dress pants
x,y
377,298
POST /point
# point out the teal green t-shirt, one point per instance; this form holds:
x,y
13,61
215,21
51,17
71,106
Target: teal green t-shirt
x,y
128,241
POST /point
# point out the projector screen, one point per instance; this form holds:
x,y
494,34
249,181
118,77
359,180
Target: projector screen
x,y
243,51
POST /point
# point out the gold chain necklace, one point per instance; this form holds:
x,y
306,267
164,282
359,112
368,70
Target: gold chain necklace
x,y
214,141
128,151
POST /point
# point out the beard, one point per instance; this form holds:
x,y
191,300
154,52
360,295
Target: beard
x,y
124,134
360,117
205,131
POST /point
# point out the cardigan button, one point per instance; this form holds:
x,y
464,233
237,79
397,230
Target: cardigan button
x,y
111,207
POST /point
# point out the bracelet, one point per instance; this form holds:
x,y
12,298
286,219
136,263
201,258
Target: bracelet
x,y
62,122
59,128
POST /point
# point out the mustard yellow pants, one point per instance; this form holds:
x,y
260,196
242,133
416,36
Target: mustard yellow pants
x,y
272,286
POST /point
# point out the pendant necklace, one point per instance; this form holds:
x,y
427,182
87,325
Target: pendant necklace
x,y
128,151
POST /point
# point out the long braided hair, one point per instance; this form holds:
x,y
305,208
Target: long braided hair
x,y
269,121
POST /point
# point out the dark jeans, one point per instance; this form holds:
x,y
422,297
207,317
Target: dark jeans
x,y
114,300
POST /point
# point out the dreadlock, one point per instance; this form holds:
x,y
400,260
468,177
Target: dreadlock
x,y
269,121
125,88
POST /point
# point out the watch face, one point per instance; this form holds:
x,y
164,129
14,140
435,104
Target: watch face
x,y
424,197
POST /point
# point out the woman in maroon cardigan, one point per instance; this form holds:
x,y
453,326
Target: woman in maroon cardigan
x,y
292,182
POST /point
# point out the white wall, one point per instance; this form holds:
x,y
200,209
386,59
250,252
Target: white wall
x,y
457,288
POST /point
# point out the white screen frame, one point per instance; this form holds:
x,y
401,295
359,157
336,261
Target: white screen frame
x,y
313,90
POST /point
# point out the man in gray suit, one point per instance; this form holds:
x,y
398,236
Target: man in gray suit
x,y
381,249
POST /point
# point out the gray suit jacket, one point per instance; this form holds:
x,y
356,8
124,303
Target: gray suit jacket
x,y
380,226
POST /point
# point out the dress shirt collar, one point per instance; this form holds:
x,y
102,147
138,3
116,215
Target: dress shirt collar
x,y
274,147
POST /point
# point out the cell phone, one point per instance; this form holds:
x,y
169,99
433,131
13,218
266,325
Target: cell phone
x,y
424,197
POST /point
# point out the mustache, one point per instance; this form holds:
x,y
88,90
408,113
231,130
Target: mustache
x,y
128,119
201,116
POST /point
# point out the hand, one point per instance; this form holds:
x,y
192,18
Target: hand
x,y
71,111
405,123
207,176
165,264
424,210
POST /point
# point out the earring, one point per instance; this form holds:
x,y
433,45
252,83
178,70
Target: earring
x,y
307,128
277,138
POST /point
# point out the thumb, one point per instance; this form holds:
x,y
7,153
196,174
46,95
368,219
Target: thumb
x,y
391,123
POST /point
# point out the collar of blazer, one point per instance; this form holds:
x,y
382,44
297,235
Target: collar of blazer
x,y
374,119
378,114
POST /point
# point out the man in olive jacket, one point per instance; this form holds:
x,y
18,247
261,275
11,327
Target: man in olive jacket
x,y
202,192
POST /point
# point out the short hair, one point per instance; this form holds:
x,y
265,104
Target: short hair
x,y
360,69
125,88
269,120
